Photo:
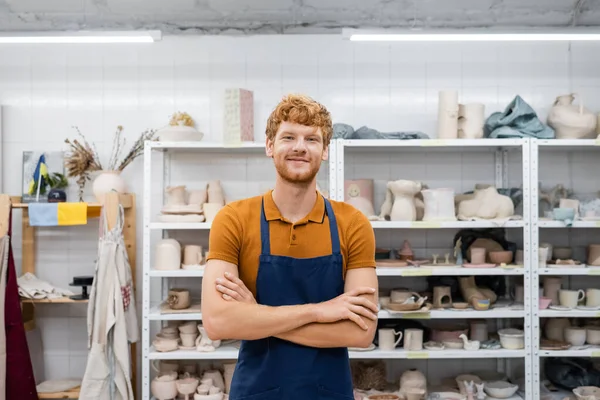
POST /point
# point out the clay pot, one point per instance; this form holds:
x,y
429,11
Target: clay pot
x,y
571,121
412,379
179,299
167,255
108,181
501,257
164,387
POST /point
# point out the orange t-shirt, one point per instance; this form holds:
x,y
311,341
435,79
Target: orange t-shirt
x,y
235,235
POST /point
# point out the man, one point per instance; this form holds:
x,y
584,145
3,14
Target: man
x,y
290,273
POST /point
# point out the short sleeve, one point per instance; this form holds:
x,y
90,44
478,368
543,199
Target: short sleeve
x,y
361,242
225,238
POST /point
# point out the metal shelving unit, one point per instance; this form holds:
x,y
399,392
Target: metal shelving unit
x,y
338,147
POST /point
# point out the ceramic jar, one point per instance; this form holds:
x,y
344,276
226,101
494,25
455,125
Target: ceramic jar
x,y
575,336
470,120
412,379
551,288
555,327
164,387
479,330
439,205
593,256
447,126
168,255
108,181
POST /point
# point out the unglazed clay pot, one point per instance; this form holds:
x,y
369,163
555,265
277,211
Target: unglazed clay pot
x,y
179,299
439,204
399,204
168,255
447,127
470,120
164,387
571,121
108,181
412,379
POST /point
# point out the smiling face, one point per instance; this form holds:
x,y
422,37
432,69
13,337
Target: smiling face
x,y
297,151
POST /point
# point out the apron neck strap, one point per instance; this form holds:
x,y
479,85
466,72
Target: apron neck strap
x,y
265,235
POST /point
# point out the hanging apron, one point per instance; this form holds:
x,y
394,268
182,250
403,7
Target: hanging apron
x,y
272,368
20,382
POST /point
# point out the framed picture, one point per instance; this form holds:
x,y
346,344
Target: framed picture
x,y
42,171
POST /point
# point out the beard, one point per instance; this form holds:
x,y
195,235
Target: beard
x,y
304,176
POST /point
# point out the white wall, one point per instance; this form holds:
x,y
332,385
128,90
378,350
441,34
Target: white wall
x,y
47,89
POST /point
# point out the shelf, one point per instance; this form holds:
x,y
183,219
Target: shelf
x,y
569,313
570,143
589,352
231,353
444,224
177,273
457,144
576,224
71,394
62,300
447,271
207,146
504,312
570,271
180,225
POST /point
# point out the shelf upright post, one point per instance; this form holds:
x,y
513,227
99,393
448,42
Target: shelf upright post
x,y
534,284
145,272
332,176
339,170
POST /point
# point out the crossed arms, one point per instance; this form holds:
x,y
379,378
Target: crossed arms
x,y
229,311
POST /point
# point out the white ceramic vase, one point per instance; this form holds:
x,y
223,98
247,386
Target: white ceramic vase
x,y
108,181
448,115
439,205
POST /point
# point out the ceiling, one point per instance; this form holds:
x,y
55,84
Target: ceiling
x,y
289,16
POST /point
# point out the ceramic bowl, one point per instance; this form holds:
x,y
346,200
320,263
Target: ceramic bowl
x,y
562,253
512,339
453,344
501,257
587,392
383,397
500,389
460,306
544,302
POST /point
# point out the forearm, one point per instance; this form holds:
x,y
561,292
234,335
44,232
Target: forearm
x,y
245,321
337,334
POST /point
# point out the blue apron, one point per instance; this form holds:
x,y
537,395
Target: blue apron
x,y
276,369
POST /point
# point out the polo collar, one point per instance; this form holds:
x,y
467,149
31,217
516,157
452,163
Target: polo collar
x,y
317,214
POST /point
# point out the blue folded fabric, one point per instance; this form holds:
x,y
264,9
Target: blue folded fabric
x,y
43,214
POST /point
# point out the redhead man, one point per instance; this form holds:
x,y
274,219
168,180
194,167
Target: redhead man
x,y
291,273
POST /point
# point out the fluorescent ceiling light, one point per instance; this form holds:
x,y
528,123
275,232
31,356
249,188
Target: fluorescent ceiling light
x,y
81,37
408,35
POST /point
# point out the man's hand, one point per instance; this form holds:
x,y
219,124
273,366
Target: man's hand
x,y
349,305
232,288
346,306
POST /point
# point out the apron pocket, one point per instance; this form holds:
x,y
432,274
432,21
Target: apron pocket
x,y
271,394
326,394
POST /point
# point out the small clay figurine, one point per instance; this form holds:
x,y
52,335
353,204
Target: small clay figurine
x,y
470,386
480,393
458,252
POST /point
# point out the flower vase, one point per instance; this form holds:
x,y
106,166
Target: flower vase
x,y
108,181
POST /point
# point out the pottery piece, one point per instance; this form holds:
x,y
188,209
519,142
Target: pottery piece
x,y
501,257
470,120
167,255
562,253
197,197
413,339
486,204
575,336
587,392
359,193
477,255
108,181
554,328
399,204
414,394
406,253
441,335
385,396
402,296
188,339
179,299
592,297
592,334
439,204
215,192
593,255
512,339
238,115
552,286
500,389
165,367
412,379
176,195
217,378
192,255
204,343
544,302
471,345
210,210
468,378
453,344
570,298
479,330
228,370
187,386
517,293
387,340
447,125
165,345
442,297
179,131
571,121
164,387
460,305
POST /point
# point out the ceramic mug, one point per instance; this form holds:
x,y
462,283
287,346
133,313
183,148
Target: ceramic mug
x,y
570,298
387,340
477,255
192,255
517,293
592,297
188,339
413,339
543,256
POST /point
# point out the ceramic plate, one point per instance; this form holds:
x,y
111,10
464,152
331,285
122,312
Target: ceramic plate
x,y
588,308
370,348
559,308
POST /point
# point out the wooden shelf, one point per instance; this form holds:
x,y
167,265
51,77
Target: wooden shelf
x,y
71,394
62,300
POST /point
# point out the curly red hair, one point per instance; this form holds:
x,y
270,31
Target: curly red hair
x,y
303,110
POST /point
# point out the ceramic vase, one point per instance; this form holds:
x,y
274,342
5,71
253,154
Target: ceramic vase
x,y
448,115
359,193
108,181
571,121
470,120
439,205
168,255
238,124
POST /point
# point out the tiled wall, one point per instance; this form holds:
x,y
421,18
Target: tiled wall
x,y
45,90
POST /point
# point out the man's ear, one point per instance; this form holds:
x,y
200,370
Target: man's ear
x,y
325,155
269,147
